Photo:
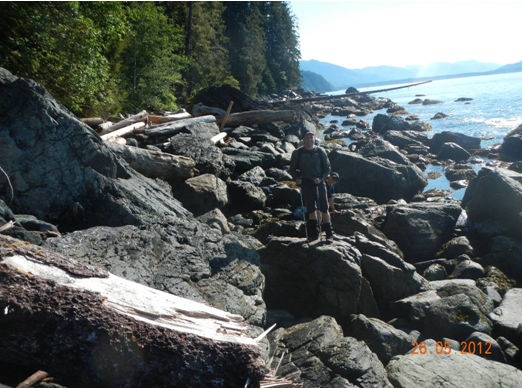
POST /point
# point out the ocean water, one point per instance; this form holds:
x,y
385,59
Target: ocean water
x,y
495,110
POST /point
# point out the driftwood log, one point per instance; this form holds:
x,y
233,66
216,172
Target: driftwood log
x,y
173,128
93,122
123,131
157,119
87,327
259,117
142,116
155,164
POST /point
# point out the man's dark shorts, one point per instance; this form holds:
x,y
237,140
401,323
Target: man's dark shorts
x,y
310,195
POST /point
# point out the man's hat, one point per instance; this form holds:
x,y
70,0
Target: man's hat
x,y
335,176
309,132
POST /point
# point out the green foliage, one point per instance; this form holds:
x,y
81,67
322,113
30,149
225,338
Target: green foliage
x,y
58,46
99,57
151,69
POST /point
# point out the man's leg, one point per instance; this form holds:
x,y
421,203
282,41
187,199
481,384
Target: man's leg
x,y
309,197
326,225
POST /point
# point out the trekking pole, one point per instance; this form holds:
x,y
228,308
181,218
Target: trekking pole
x,y
319,211
305,221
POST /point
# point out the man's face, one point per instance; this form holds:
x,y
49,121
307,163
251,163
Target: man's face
x,y
308,141
331,181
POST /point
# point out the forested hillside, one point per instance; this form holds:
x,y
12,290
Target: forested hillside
x,y
313,82
105,57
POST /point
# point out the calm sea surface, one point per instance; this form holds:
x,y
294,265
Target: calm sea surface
x,y
494,111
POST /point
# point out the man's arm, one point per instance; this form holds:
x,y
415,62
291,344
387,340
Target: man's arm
x,y
293,169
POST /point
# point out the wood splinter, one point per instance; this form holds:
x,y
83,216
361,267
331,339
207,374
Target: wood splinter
x,y
33,379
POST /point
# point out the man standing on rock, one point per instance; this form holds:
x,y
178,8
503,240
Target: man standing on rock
x,y
310,167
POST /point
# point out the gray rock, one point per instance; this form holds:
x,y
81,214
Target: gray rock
x,y
203,193
309,282
402,139
505,254
494,198
382,123
383,339
485,346
420,229
452,151
511,147
245,160
49,154
279,175
509,350
185,258
390,283
322,357
460,172
254,176
375,248
468,269
376,178
246,196
283,196
215,219
455,247
450,370
203,130
469,143
507,317
435,272
208,158
414,307
370,147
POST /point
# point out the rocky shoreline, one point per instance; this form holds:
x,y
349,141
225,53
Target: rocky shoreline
x,y
411,279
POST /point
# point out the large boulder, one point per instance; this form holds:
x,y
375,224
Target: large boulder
x,y
390,283
203,193
375,177
208,158
309,282
62,172
246,160
319,356
511,147
185,258
469,143
245,196
452,151
381,148
507,317
450,370
383,339
493,202
420,229
382,123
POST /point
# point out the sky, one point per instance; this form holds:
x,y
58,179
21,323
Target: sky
x,y
357,34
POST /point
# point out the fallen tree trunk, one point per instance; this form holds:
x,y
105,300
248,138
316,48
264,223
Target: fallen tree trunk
x,y
156,119
123,131
219,137
155,164
87,327
259,117
93,122
142,116
177,126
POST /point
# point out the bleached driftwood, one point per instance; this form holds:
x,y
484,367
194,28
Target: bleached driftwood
x,y
155,164
173,128
259,117
157,119
219,137
104,128
123,131
129,332
118,140
140,117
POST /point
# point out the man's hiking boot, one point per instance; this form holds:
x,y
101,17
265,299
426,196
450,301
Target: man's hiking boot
x,y
313,232
328,232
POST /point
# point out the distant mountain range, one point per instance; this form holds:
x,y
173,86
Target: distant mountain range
x,y
341,77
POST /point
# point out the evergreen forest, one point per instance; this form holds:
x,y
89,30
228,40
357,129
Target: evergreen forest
x,y
99,58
